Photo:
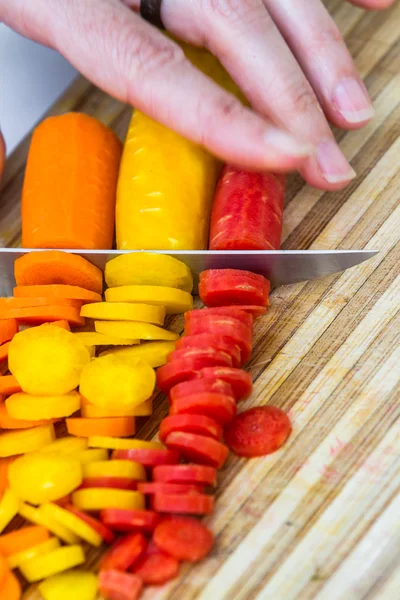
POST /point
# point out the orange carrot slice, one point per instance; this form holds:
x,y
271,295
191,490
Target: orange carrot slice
x,y
11,303
54,266
57,290
9,385
4,351
8,328
7,422
4,466
10,587
22,539
43,314
69,192
112,426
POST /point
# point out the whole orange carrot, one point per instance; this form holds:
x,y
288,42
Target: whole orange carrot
x,y
68,198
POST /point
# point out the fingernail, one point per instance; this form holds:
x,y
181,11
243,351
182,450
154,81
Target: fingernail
x,y
285,143
333,164
352,101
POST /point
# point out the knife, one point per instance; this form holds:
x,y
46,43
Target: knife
x,y
281,267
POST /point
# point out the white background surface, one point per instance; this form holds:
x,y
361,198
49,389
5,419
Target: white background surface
x,y
31,79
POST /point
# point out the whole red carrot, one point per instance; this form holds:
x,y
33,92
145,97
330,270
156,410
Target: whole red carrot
x,y
247,211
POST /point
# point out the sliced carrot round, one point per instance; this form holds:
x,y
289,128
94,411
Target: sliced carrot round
x,y
130,520
196,474
117,483
258,431
156,568
10,587
198,448
44,314
148,457
98,526
124,552
158,487
7,422
184,504
198,424
57,267
8,328
115,584
9,385
22,539
7,304
220,407
111,426
58,291
184,538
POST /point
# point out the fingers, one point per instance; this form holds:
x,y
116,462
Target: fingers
x,y
243,36
2,154
320,50
373,4
133,61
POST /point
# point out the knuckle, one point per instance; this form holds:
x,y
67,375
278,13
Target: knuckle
x,y
227,109
298,98
325,38
230,9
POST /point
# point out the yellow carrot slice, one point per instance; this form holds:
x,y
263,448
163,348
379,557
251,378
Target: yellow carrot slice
x,y
112,382
114,443
9,507
145,268
124,311
36,515
102,498
79,585
67,445
56,561
92,338
36,408
115,468
47,360
154,353
96,412
15,560
74,523
44,476
27,440
175,301
129,329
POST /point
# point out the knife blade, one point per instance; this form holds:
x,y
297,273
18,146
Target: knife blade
x,y
281,267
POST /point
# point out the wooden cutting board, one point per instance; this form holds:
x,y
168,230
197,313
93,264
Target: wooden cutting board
x,y
320,518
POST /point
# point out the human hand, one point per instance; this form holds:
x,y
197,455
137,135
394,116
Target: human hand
x,y
288,57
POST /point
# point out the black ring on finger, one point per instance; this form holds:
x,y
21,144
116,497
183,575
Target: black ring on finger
x,y
150,10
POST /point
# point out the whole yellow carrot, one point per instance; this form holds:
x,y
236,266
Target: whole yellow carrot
x,y
69,191
166,182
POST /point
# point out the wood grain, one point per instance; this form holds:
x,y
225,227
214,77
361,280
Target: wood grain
x,y
319,519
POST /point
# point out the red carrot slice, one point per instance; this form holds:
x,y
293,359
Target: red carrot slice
x,y
118,483
156,568
124,520
184,538
258,431
209,340
98,526
148,457
230,311
247,211
183,504
190,424
223,287
200,386
207,357
226,326
193,474
157,487
124,552
220,407
115,585
198,448
58,291
8,328
240,381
